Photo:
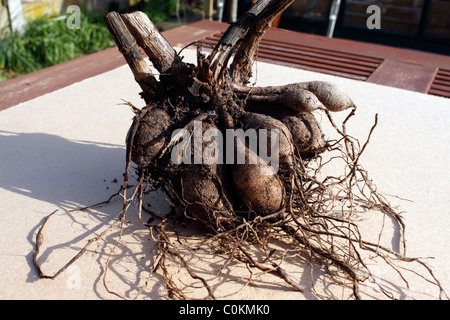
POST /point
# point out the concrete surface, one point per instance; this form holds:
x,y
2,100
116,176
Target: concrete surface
x,y
65,150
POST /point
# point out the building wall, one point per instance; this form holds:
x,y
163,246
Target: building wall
x,y
32,9
3,17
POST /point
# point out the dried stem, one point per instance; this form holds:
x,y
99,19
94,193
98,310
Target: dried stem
x,y
158,49
274,269
262,10
241,67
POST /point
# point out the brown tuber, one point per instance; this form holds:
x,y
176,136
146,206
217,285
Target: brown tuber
x,y
331,96
257,183
303,127
202,188
258,121
306,132
303,96
207,92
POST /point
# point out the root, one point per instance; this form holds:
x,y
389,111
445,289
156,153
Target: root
x,y
317,222
40,239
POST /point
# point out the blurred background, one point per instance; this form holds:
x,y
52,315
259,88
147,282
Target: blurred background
x,y
34,34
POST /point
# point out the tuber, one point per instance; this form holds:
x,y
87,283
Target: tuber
x,y
203,186
259,121
257,183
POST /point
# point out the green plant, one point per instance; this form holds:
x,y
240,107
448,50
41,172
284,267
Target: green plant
x,y
14,56
48,41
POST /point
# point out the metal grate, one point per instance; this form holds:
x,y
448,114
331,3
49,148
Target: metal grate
x,y
337,63
441,84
